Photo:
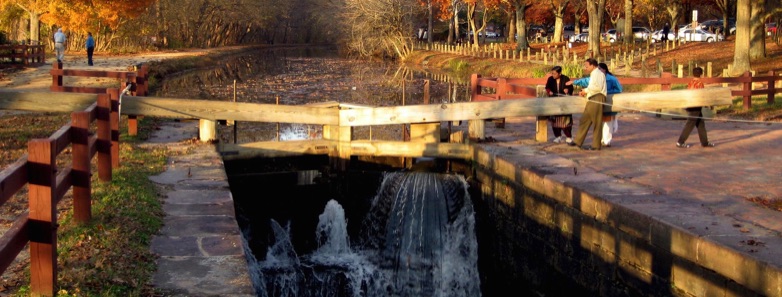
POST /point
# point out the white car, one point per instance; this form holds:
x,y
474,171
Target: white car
x,y
699,35
582,37
657,36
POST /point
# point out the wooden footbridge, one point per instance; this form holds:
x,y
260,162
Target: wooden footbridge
x,y
339,119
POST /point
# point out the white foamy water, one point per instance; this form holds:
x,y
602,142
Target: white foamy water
x,y
427,246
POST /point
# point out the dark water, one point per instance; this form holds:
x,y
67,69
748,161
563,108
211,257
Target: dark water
x,y
295,76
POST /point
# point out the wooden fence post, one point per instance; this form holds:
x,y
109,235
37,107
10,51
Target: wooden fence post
x,y
56,77
104,137
43,217
746,90
80,176
772,88
666,86
114,124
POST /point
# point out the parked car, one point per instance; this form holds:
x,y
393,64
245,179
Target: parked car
x,y
582,37
771,29
490,34
657,36
699,35
641,33
611,35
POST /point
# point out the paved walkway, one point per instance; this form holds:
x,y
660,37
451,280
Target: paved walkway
x,y
702,190
200,247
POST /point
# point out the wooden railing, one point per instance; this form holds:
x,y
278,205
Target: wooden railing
x,y
503,86
137,78
22,55
47,184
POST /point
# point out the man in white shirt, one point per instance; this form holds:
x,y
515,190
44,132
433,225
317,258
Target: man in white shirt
x,y
59,44
595,93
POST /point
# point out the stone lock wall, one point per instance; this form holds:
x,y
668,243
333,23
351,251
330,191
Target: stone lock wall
x,y
543,227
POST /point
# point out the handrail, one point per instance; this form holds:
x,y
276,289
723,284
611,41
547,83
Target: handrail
x,y
30,55
47,185
665,82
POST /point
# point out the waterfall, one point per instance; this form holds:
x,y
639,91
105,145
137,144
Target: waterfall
x,y
418,239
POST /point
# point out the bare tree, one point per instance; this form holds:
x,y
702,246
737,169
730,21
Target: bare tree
x,y
378,28
725,6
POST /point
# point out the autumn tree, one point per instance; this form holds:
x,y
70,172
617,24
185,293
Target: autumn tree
x,y
520,8
35,9
726,7
595,9
558,8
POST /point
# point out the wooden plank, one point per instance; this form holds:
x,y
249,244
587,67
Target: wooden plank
x,y
13,241
61,138
45,101
80,136
12,179
224,110
93,73
647,101
270,149
411,149
63,183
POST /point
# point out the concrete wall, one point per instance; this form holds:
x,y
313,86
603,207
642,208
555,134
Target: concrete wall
x,y
544,225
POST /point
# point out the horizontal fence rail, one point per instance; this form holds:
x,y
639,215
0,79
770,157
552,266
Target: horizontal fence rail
x,y
22,55
48,184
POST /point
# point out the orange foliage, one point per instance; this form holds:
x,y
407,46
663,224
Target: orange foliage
x,y
93,15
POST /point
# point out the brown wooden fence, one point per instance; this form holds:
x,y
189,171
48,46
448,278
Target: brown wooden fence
x,y
515,88
22,55
47,184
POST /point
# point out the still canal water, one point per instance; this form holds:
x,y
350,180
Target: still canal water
x,y
296,76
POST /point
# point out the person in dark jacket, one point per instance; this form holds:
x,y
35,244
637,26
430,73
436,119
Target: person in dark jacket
x,y
556,86
90,45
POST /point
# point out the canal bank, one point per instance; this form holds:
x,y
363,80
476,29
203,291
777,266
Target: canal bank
x,y
641,218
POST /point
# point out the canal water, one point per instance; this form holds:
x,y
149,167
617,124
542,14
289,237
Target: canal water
x,y
296,76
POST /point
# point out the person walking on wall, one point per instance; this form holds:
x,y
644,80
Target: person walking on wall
x,y
90,45
59,44
595,94
694,116
610,122
556,85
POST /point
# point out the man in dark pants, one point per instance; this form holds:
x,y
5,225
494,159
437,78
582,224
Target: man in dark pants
x,y
90,45
595,93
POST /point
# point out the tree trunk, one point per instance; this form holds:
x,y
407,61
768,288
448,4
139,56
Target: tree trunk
x,y
511,27
595,9
628,21
743,31
35,28
559,16
521,25
757,49
430,24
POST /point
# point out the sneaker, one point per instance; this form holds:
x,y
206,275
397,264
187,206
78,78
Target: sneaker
x,y
708,144
558,139
568,140
682,145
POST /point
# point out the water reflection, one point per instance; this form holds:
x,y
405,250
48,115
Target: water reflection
x,y
303,75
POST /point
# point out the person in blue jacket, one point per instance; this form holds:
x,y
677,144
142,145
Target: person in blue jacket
x,y
610,123
90,45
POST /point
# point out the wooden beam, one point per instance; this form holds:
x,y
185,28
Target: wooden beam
x,y
271,149
46,101
646,101
224,110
